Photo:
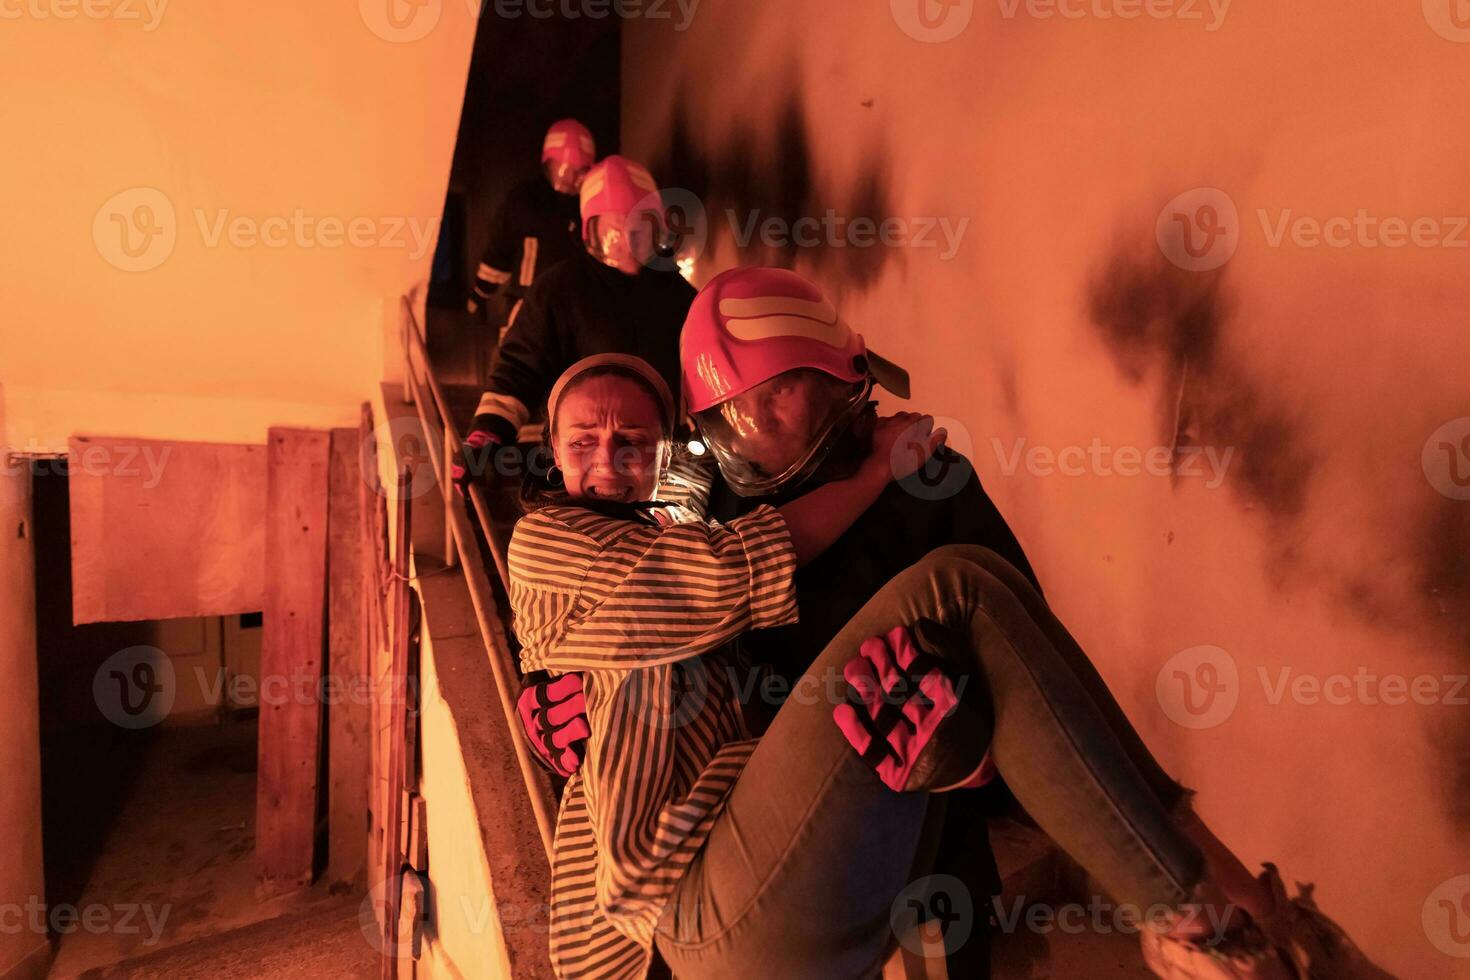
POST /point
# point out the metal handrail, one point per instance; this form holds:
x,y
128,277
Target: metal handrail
x,y
460,537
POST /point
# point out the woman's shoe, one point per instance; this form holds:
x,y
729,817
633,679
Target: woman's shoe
x,y
1316,946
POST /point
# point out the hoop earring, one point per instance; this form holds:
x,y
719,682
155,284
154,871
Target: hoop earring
x,y
555,477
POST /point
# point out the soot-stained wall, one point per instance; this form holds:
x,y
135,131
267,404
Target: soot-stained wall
x,y
1190,289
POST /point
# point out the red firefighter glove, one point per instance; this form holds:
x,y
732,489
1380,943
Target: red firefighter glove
x,y
898,697
476,462
554,716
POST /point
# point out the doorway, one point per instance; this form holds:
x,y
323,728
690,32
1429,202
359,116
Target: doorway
x,y
148,766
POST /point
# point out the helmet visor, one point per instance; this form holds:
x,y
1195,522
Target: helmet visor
x,y
778,433
626,243
565,177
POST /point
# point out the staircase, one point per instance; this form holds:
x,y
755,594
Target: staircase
x,y
326,941
445,395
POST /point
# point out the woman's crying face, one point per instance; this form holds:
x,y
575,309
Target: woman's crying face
x,y
608,440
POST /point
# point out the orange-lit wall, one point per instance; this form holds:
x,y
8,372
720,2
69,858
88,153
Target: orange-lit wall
x,y
1326,548
293,158
322,133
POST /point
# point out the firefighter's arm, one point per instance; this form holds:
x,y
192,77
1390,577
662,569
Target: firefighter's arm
x,y
496,269
525,366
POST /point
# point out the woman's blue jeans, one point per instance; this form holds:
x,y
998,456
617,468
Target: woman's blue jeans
x,y
801,871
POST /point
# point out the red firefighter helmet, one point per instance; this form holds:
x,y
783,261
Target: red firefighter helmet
x,y
568,152
622,214
774,376
617,185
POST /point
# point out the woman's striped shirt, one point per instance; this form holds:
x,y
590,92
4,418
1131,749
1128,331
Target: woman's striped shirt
x,y
643,611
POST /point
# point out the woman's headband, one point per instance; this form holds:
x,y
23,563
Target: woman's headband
x,y
629,363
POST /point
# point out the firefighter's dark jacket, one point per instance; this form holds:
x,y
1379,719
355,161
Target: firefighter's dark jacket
x,y
534,229
576,309
943,504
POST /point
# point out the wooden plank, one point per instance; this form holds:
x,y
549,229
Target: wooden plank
x,y
291,657
165,530
416,850
375,559
396,706
348,720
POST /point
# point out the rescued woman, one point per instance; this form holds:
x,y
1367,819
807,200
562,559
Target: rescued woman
x,y
785,856
603,582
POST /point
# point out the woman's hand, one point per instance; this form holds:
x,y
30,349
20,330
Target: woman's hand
x,y
902,444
